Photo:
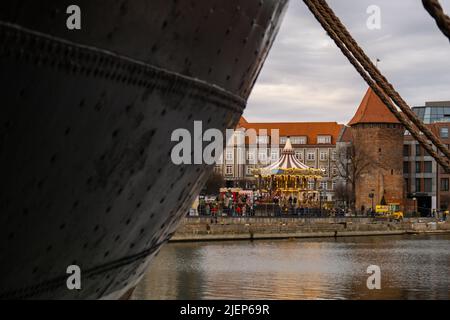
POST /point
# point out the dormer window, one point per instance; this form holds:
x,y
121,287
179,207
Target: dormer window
x,y
324,139
299,140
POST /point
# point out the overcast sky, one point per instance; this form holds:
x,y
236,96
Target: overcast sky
x,y
306,77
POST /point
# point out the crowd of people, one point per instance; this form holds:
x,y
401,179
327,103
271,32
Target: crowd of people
x,y
249,204
238,204
228,205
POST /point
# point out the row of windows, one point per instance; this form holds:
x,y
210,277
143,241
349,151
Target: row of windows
x,y
321,139
419,167
433,114
380,125
275,155
295,140
420,151
426,185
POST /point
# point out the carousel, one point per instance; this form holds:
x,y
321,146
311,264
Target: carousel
x,y
289,178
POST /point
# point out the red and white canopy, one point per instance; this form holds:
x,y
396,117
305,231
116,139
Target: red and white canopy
x,y
288,164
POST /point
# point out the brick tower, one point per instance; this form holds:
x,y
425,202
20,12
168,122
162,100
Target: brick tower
x,y
378,148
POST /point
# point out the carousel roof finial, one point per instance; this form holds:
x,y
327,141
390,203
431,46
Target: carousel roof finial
x,y
288,147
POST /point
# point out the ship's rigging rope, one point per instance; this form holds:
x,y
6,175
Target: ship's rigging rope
x,y
379,84
434,8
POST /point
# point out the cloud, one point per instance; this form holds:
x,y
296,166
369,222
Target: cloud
x,y
306,77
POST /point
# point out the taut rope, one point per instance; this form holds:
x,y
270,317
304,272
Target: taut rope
x,y
434,8
379,84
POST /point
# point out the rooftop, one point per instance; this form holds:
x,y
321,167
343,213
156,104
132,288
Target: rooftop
x,y
437,104
311,130
372,110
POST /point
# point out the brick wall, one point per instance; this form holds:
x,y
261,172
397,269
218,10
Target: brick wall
x,y
382,145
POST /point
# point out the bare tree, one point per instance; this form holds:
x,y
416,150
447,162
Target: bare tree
x,y
352,162
343,193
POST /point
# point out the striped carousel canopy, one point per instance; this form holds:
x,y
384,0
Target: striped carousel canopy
x,y
288,164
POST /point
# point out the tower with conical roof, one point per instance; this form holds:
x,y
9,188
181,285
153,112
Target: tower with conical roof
x,y
378,151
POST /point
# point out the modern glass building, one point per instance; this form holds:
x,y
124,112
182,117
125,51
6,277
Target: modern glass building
x,y
434,112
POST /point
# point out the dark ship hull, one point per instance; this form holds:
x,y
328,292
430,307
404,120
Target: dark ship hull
x,y
86,121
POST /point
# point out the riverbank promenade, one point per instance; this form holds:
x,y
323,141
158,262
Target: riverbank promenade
x,y
254,228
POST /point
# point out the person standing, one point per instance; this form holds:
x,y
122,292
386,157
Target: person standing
x,y
226,205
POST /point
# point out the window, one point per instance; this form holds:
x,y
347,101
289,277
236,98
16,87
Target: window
x,y
229,170
333,185
418,153
263,139
299,140
444,184
444,132
323,156
418,167
230,155
249,170
428,167
311,185
406,150
323,185
299,155
311,156
427,185
218,169
405,167
418,185
274,155
323,139
250,156
262,156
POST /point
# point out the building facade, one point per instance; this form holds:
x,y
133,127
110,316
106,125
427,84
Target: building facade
x,y
314,144
435,111
426,183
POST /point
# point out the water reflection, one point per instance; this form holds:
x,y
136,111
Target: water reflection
x,y
413,267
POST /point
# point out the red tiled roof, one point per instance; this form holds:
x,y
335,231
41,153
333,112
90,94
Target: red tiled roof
x,y
346,135
372,110
293,129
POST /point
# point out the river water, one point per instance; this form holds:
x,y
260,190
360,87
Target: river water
x,y
412,267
